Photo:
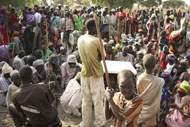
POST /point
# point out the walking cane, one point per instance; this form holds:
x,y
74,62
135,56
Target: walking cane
x,y
158,48
102,52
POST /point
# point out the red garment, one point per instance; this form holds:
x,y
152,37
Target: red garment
x,y
163,60
119,14
135,25
5,36
174,34
13,19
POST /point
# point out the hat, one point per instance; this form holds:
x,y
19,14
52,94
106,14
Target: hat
x,y
156,43
140,30
14,72
38,62
165,48
111,42
171,56
153,16
71,59
1,64
132,40
15,33
117,47
62,48
59,5
50,43
184,87
6,69
171,17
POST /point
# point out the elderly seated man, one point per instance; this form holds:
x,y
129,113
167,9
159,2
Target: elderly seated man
x,y
40,74
69,69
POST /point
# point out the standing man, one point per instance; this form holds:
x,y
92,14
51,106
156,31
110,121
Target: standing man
x,y
92,83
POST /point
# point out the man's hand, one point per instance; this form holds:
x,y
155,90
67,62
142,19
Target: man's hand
x,y
109,93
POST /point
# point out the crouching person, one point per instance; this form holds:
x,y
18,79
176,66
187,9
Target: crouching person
x,y
71,99
34,102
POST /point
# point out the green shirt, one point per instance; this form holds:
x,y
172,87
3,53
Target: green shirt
x,y
89,49
47,55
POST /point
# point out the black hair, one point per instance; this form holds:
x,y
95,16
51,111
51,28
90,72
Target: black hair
x,y
90,23
30,60
25,73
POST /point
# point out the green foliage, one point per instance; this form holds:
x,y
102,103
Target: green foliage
x,y
124,3
149,3
173,3
115,3
19,4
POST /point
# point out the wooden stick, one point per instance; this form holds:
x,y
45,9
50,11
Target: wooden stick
x,y
160,61
102,52
35,38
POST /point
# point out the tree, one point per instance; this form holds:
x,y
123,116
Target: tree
x,y
18,4
173,3
115,3
149,3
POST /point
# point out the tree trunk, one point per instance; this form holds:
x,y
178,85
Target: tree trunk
x,y
109,4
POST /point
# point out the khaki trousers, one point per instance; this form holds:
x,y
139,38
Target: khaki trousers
x,y
92,92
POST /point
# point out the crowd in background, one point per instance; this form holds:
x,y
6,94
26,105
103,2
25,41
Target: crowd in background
x,y
41,47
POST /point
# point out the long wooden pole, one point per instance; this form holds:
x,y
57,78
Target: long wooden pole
x,y
102,51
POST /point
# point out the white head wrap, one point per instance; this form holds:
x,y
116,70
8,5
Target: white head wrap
x,y
6,69
38,62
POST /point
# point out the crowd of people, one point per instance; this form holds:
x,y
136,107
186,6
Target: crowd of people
x,y
52,55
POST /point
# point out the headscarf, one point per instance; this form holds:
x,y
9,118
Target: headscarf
x,y
1,64
71,59
184,87
6,69
165,49
38,62
14,72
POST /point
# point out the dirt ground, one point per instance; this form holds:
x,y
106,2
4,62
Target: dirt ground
x,y
67,120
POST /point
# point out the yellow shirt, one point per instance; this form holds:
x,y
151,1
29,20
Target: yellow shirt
x,y
89,49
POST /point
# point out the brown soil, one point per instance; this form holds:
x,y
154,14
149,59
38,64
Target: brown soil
x,y
67,120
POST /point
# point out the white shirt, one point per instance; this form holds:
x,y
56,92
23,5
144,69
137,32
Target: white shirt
x,y
37,17
113,19
187,16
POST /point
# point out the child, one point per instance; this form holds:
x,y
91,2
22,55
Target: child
x,y
149,87
179,116
123,106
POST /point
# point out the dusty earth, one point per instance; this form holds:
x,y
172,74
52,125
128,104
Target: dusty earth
x,y
67,120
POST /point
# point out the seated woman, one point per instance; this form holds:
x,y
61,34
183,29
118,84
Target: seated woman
x,y
124,106
180,116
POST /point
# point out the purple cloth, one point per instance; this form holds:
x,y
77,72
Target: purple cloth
x,y
57,47
3,54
